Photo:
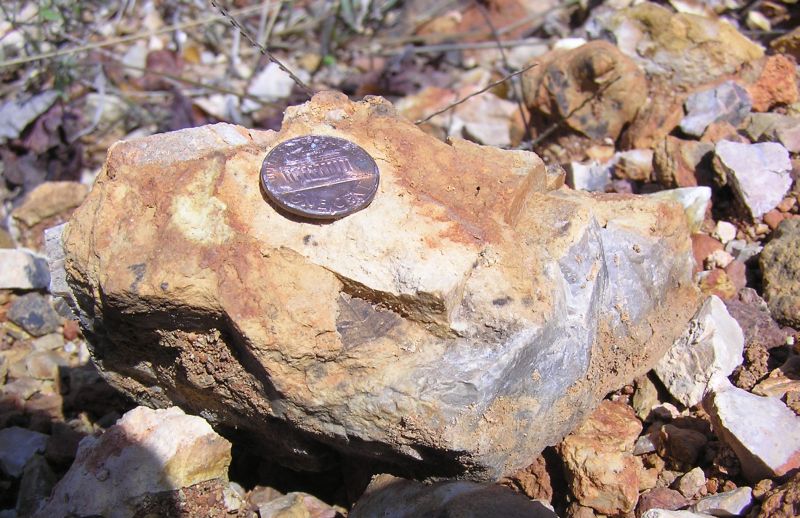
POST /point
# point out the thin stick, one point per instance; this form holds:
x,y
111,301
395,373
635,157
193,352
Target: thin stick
x,y
261,48
473,94
124,39
446,47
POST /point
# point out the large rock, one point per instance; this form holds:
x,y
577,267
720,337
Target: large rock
x,y
462,322
781,266
145,456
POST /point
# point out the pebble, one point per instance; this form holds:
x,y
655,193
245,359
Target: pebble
x,y
645,397
695,202
725,232
17,446
762,431
758,173
681,444
592,176
743,251
718,259
49,342
296,504
37,481
705,354
644,444
660,498
23,270
34,314
727,102
729,503
691,482
664,513
49,199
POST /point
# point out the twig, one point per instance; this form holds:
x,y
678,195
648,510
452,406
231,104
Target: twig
x,y
123,39
473,94
447,47
550,129
261,48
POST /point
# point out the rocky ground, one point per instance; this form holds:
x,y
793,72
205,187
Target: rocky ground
x,y
692,101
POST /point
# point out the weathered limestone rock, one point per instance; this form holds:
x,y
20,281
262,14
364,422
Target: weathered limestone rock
x,y
146,454
462,322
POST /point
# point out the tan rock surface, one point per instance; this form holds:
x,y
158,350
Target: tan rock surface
x,y
463,321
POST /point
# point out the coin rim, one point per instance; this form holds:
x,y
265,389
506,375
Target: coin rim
x,y
316,215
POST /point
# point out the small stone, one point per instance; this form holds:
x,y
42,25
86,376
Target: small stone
x,y
117,471
71,330
663,513
773,218
296,504
727,102
62,444
780,264
788,203
37,481
782,380
601,470
764,434
644,444
533,481
50,342
34,314
718,259
695,202
763,487
737,274
758,173
636,165
49,199
592,176
742,250
44,365
645,397
702,247
17,447
691,482
729,503
680,444
775,85
666,412
783,502
725,232
660,498
718,131
682,163
704,355
391,496
23,270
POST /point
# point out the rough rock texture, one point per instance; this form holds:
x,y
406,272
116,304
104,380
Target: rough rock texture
x,y
462,322
775,85
601,470
677,162
49,199
780,264
735,502
685,49
296,504
17,446
727,102
146,453
596,88
704,356
783,502
22,270
762,431
394,497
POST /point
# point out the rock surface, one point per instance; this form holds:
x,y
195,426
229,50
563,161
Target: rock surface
x,y
296,504
34,314
764,433
727,102
601,470
780,264
146,453
677,162
783,502
17,447
22,270
729,503
462,322
704,356
393,497
758,173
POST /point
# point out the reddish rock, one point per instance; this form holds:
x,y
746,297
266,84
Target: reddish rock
x,y
533,481
655,120
703,245
737,274
660,498
678,162
775,85
773,218
601,471
723,130
70,330
716,282
752,313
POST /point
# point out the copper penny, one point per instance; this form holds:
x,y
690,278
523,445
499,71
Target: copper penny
x,y
320,177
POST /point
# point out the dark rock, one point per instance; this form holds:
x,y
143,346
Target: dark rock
x,y
37,481
34,314
681,445
780,264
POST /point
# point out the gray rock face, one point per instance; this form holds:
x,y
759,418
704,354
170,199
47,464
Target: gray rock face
x,y
758,173
22,270
727,102
34,314
730,503
17,446
446,329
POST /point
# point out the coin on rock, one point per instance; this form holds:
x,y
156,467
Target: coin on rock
x,y
320,177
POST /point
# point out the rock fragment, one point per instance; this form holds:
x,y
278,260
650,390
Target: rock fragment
x,y
664,513
776,84
703,357
17,447
49,199
691,482
34,314
591,176
727,102
694,200
383,332
758,173
22,270
602,471
764,433
595,88
729,503
398,498
296,504
146,453
782,502
661,498
780,264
